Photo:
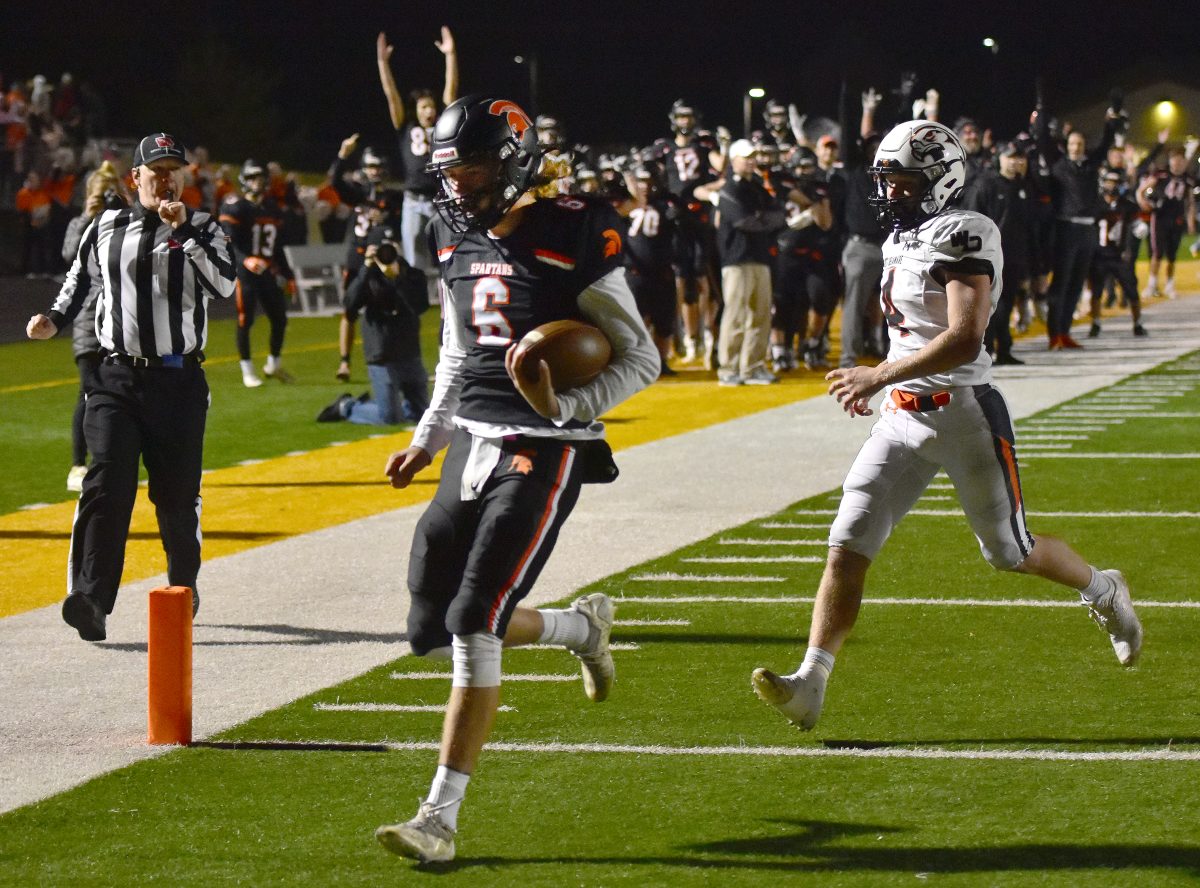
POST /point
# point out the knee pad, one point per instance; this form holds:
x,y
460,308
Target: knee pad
x,y
476,660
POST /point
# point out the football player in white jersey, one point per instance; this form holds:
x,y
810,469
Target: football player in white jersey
x,y
942,272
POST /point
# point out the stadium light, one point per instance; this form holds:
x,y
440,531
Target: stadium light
x,y
992,44
1166,111
754,92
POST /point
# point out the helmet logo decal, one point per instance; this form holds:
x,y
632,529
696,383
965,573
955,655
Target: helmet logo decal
x,y
517,119
926,143
612,242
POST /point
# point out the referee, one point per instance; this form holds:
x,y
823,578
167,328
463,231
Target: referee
x,y
155,266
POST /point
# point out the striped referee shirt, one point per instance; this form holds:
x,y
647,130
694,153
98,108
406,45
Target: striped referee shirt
x,y
155,282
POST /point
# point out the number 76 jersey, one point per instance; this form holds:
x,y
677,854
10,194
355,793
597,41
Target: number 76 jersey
x,y
914,303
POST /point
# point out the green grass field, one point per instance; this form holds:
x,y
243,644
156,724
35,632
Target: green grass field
x,y
41,387
952,749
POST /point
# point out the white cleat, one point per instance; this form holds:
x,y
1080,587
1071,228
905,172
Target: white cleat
x,y
799,700
426,837
251,380
1119,620
599,673
1169,290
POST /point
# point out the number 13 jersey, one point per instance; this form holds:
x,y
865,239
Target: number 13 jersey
x,y
914,302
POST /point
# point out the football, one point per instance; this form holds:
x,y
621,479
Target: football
x,y
575,352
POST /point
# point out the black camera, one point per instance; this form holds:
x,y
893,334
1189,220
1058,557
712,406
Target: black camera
x,y
386,253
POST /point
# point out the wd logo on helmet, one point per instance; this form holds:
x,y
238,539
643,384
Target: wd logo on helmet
x,y
517,119
444,154
926,143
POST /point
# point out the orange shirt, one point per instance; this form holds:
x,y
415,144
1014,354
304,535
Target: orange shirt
x,y
35,202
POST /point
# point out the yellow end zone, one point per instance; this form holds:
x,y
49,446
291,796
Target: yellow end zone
x,y
248,506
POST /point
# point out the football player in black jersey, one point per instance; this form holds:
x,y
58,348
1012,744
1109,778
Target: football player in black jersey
x,y
1116,215
1172,207
254,223
692,157
649,249
519,450
420,186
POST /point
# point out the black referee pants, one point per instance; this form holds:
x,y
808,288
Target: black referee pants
x,y
156,414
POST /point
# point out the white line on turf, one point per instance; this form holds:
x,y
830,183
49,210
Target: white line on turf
x,y
792,525
614,646
743,541
755,559
1150,754
901,602
1116,455
388,707
1091,415
701,578
1055,437
941,512
653,623
418,676
1035,446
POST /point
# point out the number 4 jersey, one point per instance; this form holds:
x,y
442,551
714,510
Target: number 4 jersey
x,y
914,303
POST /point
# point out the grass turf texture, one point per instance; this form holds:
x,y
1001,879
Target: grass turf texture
x,y
41,386
967,678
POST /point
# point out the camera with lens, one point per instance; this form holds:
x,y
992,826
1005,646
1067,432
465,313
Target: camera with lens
x,y
387,253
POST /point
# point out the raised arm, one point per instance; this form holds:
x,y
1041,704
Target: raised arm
x,y
383,59
447,48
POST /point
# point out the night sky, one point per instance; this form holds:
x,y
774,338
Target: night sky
x,y
289,81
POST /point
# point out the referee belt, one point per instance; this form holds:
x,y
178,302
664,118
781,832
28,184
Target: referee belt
x,y
172,362
915,403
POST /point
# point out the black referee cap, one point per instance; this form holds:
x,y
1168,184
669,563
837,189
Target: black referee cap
x,y
156,147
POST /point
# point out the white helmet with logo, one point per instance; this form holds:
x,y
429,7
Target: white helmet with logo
x,y
931,151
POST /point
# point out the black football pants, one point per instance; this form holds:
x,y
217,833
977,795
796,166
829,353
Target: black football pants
x,y
155,414
254,290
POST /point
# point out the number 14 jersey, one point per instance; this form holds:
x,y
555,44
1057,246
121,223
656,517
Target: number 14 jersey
x,y
914,303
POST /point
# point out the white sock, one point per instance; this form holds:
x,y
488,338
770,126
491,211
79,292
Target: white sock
x,y
566,627
447,793
272,363
817,665
247,366
1099,588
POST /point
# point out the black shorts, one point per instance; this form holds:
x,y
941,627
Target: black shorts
x,y
1166,233
655,296
691,255
472,561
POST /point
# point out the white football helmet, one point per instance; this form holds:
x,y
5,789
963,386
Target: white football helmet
x,y
929,150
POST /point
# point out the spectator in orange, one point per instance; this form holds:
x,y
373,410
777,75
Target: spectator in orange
x,y
34,204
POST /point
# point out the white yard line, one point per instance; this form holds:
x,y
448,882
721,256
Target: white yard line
x,y
1039,514
746,541
755,559
516,676
866,751
896,602
700,578
389,707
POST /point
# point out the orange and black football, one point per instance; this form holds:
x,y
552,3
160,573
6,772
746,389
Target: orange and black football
x,y
575,352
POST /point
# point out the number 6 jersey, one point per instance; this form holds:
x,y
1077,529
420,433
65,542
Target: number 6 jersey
x,y
914,303
563,261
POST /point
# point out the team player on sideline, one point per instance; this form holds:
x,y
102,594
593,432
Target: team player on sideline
x,y
942,274
519,451
254,223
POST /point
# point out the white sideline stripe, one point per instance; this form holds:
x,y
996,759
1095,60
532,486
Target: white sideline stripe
x,y
388,707
937,498
414,676
653,623
1055,437
912,602
296,453
1056,419
939,512
1024,433
1160,754
940,487
1117,455
1092,415
702,578
1118,408
251,462
614,646
742,541
792,525
33,506
755,559
1027,447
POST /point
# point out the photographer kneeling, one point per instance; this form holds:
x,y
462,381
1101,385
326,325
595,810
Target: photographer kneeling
x,y
390,294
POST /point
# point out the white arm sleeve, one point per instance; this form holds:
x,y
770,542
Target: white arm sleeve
x,y
609,304
437,425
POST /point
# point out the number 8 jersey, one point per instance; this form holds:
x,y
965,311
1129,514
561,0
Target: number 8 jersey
x,y
914,303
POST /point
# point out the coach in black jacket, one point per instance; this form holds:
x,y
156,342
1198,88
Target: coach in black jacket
x,y
748,218
157,264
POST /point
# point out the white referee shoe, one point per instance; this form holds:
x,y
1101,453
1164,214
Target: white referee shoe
x,y
1117,617
250,379
426,837
594,656
798,699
